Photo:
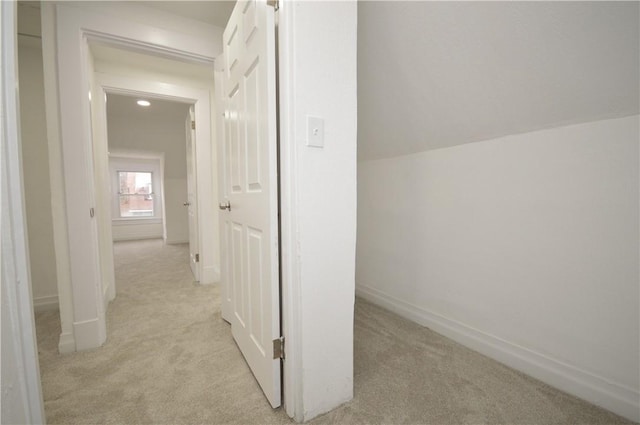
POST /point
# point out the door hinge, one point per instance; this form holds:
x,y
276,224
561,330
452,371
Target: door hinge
x,y
278,348
193,125
274,3
197,258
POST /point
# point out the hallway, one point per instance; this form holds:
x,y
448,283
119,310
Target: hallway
x,y
170,358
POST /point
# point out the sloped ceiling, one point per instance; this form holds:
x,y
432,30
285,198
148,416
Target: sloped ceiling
x,y
439,74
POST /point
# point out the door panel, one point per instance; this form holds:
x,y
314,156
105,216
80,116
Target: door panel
x,y
225,258
233,142
253,135
237,275
250,225
256,279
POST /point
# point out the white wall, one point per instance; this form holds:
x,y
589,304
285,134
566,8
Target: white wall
x,y
35,159
434,74
158,134
523,247
318,76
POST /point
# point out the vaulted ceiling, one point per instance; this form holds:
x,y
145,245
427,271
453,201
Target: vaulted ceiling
x,y
439,74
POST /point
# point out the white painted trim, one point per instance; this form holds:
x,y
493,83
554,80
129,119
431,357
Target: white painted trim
x,y
167,43
204,168
129,155
289,248
154,233
135,153
156,168
131,221
176,241
56,177
67,343
610,395
101,177
74,109
47,303
88,334
71,26
210,274
130,228
14,264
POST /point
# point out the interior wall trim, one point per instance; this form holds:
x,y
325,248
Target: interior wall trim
x,y
595,389
67,343
47,303
88,334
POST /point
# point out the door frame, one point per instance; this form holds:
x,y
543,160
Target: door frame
x,y
192,192
290,269
22,391
199,98
76,26
68,61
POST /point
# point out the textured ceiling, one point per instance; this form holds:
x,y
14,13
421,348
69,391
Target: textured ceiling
x,y
440,74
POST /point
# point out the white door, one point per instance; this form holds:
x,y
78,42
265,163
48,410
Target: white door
x,y
249,220
192,201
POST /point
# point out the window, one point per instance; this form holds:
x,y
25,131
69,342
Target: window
x,y
136,194
136,189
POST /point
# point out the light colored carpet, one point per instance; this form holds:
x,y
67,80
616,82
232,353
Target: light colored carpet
x,y
170,359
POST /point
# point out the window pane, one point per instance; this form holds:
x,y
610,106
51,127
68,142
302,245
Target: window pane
x,y
136,195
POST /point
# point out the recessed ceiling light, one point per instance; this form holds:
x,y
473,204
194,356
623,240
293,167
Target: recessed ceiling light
x,y
144,103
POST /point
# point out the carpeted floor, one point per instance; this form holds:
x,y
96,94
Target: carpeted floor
x,y
170,359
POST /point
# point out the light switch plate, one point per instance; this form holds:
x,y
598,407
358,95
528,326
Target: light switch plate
x,y
315,132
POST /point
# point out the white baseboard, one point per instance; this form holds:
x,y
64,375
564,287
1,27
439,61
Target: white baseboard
x,y
107,296
127,238
176,241
88,334
595,389
210,275
67,343
47,303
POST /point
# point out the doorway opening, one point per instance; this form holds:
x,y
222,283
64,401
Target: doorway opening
x,y
148,169
157,138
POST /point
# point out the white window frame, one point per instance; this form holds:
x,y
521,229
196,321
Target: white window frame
x,y
119,164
